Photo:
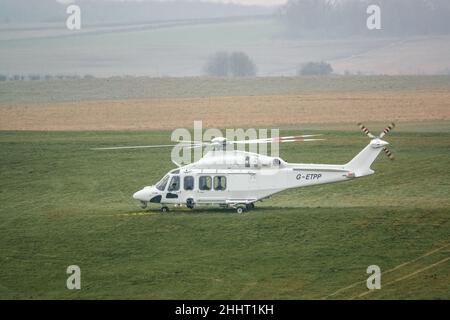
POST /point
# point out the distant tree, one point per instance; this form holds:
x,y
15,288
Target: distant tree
x,y
339,18
217,65
315,69
241,65
34,77
3,77
236,64
72,77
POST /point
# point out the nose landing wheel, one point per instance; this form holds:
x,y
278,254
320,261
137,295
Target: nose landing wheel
x,y
143,204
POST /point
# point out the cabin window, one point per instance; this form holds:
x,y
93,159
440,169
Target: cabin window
x,y
162,184
174,184
188,183
204,183
220,183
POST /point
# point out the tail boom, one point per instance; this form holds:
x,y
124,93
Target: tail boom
x,y
360,164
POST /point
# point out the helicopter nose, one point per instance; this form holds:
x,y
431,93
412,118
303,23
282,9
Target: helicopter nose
x,y
142,195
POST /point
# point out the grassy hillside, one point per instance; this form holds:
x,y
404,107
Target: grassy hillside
x,y
64,204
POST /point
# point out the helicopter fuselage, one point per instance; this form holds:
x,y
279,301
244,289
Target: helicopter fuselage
x,y
237,178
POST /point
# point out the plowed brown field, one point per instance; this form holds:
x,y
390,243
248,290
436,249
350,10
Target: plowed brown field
x,y
335,107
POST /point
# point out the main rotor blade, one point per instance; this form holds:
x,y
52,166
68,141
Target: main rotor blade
x,y
301,140
137,147
277,139
387,130
301,136
189,141
282,141
196,146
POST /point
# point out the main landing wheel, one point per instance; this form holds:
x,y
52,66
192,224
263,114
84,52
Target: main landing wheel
x,y
190,203
240,210
164,209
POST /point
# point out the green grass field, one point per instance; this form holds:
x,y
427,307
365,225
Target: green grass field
x,y
63,204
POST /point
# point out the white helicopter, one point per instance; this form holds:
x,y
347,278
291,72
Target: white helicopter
x,y
238,179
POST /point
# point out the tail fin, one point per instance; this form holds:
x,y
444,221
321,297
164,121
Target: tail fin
x,y
360,165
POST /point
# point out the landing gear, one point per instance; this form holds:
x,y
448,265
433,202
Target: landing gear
x,y
239,210
190,203
164,209
143,204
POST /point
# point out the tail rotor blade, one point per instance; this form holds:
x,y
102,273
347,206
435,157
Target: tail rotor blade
x,y
387,130
365,130
388,153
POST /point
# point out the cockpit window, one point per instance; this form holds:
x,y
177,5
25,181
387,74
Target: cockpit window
x,y
161,185
174,184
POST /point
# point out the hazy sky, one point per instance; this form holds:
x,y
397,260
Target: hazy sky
x,y
258,2
246,2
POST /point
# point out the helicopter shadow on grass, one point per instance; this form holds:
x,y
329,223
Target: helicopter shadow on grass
x,y
205,210
217,211
196,211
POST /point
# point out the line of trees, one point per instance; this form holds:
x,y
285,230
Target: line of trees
x,y
235,64
37,77
340,18
101,11
315,69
